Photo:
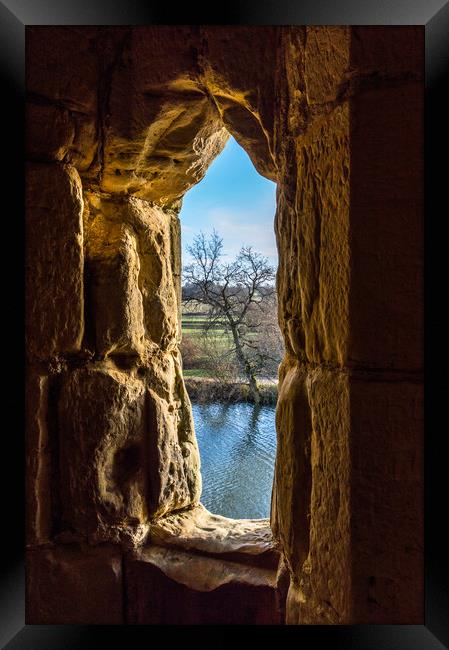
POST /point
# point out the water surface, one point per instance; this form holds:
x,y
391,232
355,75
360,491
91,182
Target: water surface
x,y
238,446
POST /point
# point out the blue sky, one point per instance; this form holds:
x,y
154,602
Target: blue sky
x,y
235,200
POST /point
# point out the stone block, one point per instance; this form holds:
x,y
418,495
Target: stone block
x,y
387,228
312,227
387,500
171,587
176,265
69,585
324,584
327,63
310,514
54,260
115,296
361,557
159,144
103,454
49,132
290,511
63,65
83,152
38,460
174,472
127,452
393,52
131,255
57,134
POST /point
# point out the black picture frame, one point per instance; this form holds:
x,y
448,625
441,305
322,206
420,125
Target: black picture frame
x,y
434,15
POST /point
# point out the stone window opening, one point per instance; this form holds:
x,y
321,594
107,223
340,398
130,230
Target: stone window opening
x,y
236,435
207,552
196,547
123,406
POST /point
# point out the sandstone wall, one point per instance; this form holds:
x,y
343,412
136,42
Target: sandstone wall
x,y
121,122
349,229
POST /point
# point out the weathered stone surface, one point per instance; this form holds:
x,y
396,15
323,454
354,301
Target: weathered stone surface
x,y
54,261
282,586
374,321
176,265
384,54
63,66
387,499
57,134
327,52
312,217
161,57
312,225
73,585
243,100
174,474
320,559
172,142
134,276
292,113
325,576
387,228
292,483
104,453
38,463
83,151
117,300
128,452
171,587
50,132
365,523
114,267
157,281
162,130
245,540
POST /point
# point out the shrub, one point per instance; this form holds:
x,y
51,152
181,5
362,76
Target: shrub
x,y
192,353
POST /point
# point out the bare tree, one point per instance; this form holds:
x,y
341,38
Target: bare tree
x,y
239,296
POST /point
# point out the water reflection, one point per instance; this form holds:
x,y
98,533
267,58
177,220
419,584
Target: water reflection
x,y
238,447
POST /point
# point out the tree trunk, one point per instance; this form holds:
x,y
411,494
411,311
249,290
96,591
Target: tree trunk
x,y
254,390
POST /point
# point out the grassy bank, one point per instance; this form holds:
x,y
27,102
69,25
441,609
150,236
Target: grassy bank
x,y
203,389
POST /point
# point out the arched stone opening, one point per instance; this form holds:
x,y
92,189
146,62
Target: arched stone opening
x,y
116,134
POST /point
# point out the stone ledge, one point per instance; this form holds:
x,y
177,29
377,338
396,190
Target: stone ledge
x,y
246,541
176,587
202,573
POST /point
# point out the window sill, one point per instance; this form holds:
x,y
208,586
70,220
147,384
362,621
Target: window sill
x,y
248,541
202,568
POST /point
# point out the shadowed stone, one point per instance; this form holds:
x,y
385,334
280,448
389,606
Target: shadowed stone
x,y
171,587
54,204
70,585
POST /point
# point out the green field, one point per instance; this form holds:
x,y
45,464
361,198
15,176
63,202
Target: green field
x,y
194,372
194,322
195,319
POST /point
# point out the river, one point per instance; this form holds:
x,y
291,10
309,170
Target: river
x,y
237,446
